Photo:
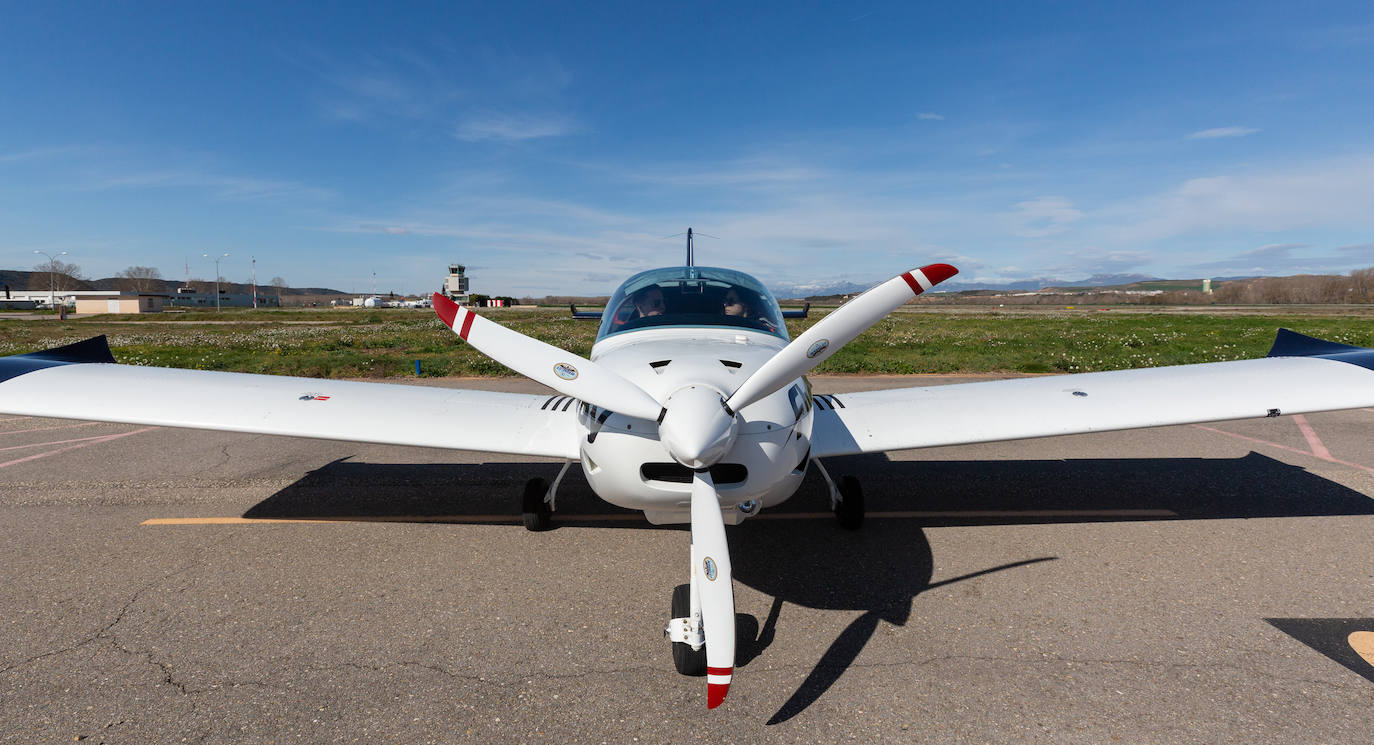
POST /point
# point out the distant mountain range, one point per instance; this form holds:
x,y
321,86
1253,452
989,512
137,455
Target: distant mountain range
x,y
25,281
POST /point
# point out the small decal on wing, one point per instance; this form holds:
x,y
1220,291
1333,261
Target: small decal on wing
x,y
817,348
565,371
314,397
709,565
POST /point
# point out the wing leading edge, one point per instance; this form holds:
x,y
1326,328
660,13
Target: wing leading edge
x,y
81,381
1301,374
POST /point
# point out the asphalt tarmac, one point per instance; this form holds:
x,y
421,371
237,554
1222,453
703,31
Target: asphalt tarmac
x,y
1176,585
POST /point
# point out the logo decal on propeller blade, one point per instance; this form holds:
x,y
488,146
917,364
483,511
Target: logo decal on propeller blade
x,y
565,371
817,348
710,566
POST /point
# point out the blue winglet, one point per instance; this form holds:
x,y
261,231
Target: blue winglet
x,y
94,349
1292,344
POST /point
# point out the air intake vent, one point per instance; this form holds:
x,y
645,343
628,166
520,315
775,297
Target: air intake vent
x,y
676,473
658,366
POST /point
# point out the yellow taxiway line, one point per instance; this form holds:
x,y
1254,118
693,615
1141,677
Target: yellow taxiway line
x,y
623,517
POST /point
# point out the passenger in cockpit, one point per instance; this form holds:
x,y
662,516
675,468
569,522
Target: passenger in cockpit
x,y
734,305
649,302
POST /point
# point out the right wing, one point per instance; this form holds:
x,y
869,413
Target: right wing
x,y
1300,375
81,381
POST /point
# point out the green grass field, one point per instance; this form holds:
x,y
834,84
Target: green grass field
x,y
385,343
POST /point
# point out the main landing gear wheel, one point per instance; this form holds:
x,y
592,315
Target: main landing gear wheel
x,y
537,514
687,660
850,511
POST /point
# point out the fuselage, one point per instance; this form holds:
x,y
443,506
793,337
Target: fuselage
x,y
694,334
626,463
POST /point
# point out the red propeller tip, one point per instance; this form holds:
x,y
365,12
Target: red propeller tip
x,y
715,694
938,273
447,309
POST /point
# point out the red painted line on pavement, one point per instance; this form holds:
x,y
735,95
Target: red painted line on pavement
x,y
13,419
1318,449
57,442
95,441
44,429
1284,447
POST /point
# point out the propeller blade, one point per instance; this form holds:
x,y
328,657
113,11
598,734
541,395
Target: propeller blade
x,y
711,564
562,371
836,330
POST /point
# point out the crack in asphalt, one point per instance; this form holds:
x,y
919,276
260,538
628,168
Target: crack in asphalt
x,y
104,633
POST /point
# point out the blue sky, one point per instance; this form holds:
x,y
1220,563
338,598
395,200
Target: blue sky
x,y
553,149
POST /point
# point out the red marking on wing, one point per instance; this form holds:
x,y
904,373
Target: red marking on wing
x,y
447,309
467,325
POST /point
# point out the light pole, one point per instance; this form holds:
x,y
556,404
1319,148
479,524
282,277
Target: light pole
x,y
52,279
216,260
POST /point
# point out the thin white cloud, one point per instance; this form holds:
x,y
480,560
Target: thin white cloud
x,y
1044,216
1333,194
1220,132
228,187
930,116
512,127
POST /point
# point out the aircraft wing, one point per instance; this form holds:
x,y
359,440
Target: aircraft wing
x,y
1301,374
81,381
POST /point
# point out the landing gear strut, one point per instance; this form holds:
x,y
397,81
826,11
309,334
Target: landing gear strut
x,y
846,499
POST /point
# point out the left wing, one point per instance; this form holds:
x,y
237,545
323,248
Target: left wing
x,y
1300,375
81,381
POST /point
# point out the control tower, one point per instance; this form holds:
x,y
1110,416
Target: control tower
x,y
456,284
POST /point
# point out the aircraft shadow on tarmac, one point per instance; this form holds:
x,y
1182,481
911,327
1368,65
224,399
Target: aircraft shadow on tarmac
x,y
878,570
934,493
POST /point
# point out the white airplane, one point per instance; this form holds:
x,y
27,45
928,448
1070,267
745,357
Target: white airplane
x,y
694,408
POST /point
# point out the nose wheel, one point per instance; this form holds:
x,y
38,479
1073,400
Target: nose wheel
x,y
688,661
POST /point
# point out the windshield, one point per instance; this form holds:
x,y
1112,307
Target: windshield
x,y
692,296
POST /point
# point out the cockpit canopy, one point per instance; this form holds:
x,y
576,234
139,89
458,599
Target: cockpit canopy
x,y
692,296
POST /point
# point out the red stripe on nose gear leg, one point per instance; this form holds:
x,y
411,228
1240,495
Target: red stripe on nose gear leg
x,y
719,670
911,281
467,325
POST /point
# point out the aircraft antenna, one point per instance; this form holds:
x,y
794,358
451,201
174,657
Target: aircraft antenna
x,y
691,251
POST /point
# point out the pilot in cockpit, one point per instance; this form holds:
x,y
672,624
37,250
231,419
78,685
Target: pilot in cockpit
x,y
734,304
649,302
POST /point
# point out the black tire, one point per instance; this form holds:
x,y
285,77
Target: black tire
x,y
850,511
537,514
687,660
